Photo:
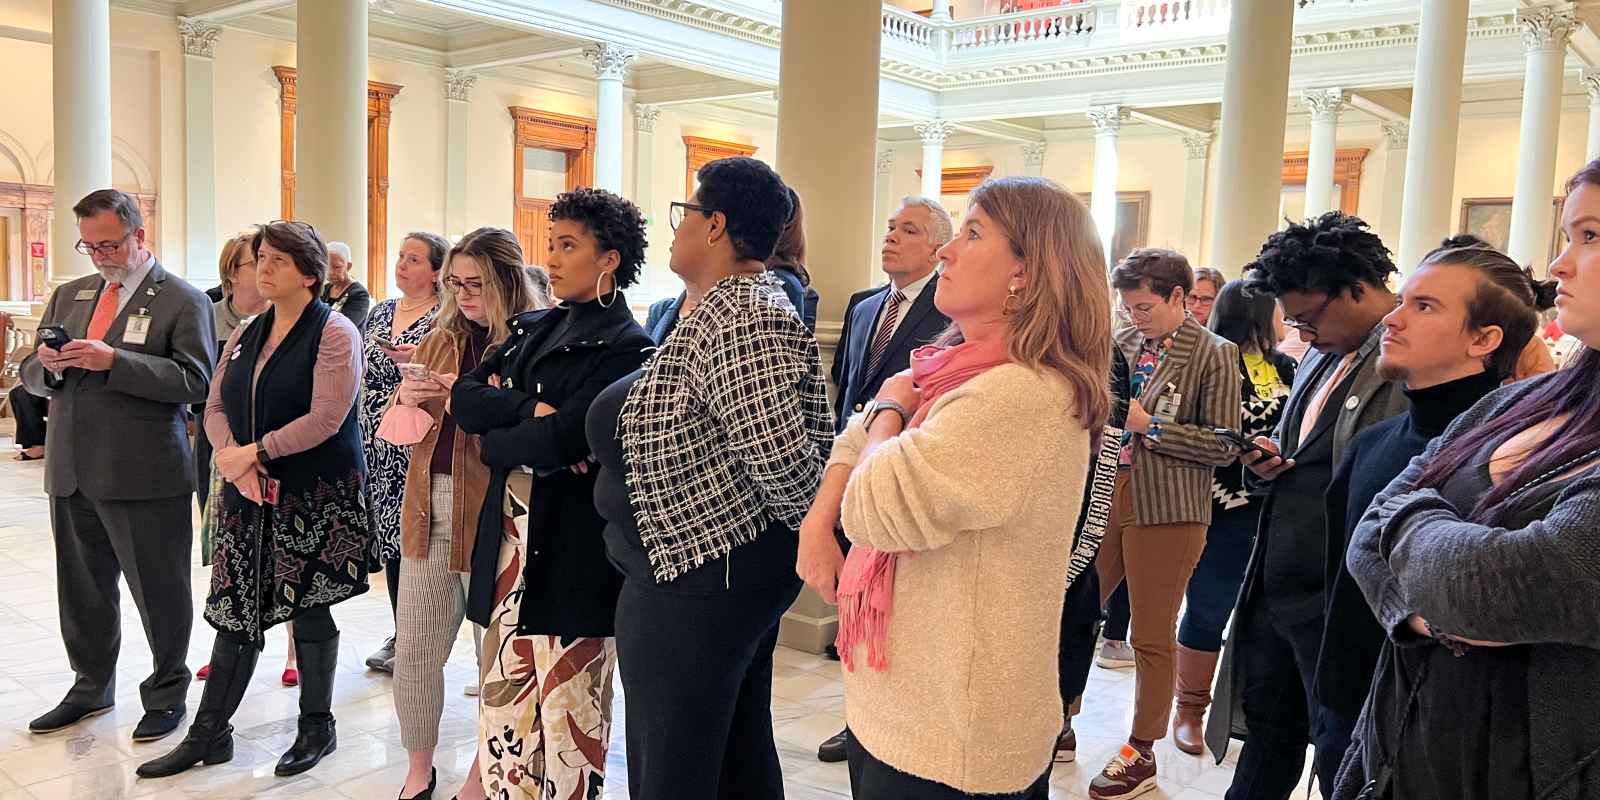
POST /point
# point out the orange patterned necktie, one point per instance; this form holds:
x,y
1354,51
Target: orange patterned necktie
x,y
105,311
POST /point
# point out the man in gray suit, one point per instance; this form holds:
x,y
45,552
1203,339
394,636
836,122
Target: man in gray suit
x,y
119,470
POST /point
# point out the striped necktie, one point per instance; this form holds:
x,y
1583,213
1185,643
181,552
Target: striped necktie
x,y
886,327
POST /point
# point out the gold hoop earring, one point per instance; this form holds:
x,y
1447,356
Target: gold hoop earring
x,y
599,279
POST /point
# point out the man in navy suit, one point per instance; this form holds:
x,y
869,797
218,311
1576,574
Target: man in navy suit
x,y
883,325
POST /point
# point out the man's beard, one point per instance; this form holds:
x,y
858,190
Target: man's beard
x,y
1391,371
114,274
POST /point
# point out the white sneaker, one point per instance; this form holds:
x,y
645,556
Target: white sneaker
x,y
1114,655
471,690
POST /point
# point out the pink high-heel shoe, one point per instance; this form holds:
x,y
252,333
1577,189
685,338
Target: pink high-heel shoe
x,y
291,676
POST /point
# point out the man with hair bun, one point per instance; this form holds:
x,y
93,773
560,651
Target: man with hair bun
x,y
1331,276
1465,315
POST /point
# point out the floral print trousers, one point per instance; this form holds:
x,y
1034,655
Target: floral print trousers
x,y
545,714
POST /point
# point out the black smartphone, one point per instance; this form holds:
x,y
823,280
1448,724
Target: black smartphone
x,y
383,342
54,335
1244,445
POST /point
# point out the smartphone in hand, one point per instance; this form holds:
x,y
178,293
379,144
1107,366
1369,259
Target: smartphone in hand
x,y
414,371
383,342
1243,444
54,335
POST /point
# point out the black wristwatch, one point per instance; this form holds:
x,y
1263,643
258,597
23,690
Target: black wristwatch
x,y
261,453
877,407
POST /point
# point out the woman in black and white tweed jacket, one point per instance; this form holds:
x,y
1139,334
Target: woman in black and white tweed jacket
x,y
709,457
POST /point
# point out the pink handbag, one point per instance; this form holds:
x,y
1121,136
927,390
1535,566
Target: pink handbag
x,y
404,425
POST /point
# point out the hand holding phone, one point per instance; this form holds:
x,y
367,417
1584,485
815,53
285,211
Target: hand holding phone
x,y
383,342
413,371
54,336
1243,445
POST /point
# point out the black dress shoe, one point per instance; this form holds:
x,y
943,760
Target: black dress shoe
x,y
158,724
426,794
64,716
831,653
832,751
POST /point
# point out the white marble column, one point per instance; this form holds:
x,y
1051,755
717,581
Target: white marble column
x,y
1107,121
1591,86
199,152
80,59
1325,105
1545,33
610,65
644,146
1198,148
883,200
331,122
1255,84
1033,158
1428,207
933,133
941,10
1395,137
828,65
458,85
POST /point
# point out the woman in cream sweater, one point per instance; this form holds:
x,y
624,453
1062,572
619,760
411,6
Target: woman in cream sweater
x,y
957,486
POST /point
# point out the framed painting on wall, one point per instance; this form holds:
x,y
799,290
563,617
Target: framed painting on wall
x,y
1133,222
1489,219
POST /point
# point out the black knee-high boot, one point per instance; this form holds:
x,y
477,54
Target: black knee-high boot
x,y
317,736
210,738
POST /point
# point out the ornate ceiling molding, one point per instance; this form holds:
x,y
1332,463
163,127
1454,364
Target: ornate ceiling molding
x,y
705,17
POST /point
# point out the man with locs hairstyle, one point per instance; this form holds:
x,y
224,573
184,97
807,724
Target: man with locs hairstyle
x,y
1331,276
119,468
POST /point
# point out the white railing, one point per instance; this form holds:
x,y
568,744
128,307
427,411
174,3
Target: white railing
x,y
907,28
1057,25
1144,20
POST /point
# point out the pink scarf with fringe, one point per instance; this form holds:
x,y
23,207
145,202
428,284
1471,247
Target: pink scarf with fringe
x,y
866,584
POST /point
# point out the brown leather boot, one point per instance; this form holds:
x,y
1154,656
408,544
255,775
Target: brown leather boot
x,y
1195,671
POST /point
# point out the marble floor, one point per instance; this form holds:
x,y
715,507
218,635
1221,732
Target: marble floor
x,y
96,760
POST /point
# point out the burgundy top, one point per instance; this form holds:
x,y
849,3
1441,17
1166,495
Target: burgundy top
x,y
444,451
333,391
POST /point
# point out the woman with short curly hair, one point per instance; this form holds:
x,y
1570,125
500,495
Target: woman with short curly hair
x,y
541,585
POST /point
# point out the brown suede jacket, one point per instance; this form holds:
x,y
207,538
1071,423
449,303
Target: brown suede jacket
x,y
469,477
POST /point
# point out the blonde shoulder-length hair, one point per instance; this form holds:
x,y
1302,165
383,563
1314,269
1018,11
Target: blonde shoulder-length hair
x,y
506,292
1060,318
228,261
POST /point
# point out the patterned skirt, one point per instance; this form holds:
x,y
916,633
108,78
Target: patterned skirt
x,y
545,715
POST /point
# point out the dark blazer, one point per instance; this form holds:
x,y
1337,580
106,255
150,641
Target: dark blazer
x,y
1371,400
570,586
133,416
354,303
922,325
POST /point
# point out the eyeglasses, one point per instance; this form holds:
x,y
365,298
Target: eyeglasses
x,y
467,288
678,209
1310,325
102,248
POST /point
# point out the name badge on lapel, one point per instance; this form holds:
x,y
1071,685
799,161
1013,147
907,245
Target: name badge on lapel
x,y
138,328
84,294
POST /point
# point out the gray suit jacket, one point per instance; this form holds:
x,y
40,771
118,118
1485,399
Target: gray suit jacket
x,y
120,434
1172,481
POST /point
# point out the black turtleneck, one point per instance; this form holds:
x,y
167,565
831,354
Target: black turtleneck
x,y
1382,451
575,315
1373,458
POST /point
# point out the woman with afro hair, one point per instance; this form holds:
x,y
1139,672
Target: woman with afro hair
x,y
541,585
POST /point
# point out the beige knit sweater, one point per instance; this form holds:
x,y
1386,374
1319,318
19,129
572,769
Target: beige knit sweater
x,y
981,499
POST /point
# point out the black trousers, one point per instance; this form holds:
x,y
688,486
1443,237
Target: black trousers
x,y
1277,664
147,542
697,673
1080,627
871,779
29,411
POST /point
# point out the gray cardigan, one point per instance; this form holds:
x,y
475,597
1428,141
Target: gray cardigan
x,y
1412,553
